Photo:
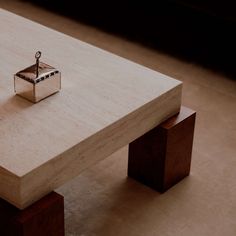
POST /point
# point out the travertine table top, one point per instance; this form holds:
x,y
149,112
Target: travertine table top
x,y
105,103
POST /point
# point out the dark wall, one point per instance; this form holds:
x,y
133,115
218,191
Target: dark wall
x,y
201,31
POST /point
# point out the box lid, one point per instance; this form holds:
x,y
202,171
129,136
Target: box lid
x,y
29,73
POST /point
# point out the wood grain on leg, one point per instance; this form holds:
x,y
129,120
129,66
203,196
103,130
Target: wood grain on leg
x,y
162,157
43,218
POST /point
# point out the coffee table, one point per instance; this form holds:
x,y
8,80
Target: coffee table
x,y
106,102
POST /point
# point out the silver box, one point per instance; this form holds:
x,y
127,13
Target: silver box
x,y
35,88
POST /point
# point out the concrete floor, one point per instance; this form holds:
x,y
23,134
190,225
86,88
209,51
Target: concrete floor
x,y
103,201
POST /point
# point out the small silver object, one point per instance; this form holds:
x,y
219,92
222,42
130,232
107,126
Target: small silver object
x,y
37,81
37,56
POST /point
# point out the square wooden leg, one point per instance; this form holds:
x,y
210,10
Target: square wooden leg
x,y
162,157
43,218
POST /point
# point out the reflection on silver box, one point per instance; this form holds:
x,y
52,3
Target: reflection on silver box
x,y
37,81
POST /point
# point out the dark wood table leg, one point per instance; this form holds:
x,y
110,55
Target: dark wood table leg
x,y
162,157
43,218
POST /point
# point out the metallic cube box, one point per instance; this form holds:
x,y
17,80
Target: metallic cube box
x,y
37,86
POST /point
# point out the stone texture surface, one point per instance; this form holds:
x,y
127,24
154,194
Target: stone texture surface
x,y
104,96
103,201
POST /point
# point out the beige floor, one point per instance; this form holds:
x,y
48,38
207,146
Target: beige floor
x,y
103,202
